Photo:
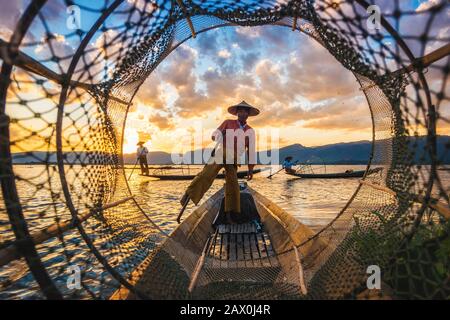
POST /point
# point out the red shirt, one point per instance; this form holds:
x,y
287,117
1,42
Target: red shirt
x,y
236,125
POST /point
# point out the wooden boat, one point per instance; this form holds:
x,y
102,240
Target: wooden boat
x,y
336,175
199,260
240,174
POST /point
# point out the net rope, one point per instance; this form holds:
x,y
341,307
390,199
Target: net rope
x,y
64,99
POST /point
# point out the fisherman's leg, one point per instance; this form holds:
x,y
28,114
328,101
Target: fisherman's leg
x,y
145,165
202,182
142,166
232,192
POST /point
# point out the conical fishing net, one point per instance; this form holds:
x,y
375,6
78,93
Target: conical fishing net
x,y
64,97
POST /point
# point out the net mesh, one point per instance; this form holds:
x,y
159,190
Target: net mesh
x,y
64,97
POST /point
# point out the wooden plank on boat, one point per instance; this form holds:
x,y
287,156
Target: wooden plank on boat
x,y
248,250
249,247
255,245
236,248
239,251
232,247
265,248
226,247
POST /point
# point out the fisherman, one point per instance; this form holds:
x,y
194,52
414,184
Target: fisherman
x,y
287,164
228,152
142,153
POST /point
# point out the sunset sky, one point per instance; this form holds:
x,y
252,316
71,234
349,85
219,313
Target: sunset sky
x,y
304,94
300,88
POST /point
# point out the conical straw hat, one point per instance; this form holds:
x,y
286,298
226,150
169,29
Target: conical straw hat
x,y
252,111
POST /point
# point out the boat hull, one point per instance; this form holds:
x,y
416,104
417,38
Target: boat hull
x,y
199,261
337,175
240,175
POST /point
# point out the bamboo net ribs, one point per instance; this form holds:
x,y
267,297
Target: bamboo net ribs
x,y
65,92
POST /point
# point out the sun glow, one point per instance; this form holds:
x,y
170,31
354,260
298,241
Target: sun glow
x,y
130,140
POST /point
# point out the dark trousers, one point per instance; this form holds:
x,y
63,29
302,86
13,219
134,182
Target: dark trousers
x,y
144,164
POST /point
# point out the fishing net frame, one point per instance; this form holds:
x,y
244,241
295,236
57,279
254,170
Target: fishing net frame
x,y
90,91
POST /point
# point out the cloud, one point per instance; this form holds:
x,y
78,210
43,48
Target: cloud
x,y
345,114
144,136
224,54
180,72
317,75
249,59
207,42
151,93
246,37
163,122
9,16
297,85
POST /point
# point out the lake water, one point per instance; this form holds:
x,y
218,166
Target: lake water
x,y
314,202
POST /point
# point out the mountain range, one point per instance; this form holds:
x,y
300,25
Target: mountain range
x,y
338,153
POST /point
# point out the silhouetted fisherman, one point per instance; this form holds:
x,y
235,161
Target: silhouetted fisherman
x,y
142,153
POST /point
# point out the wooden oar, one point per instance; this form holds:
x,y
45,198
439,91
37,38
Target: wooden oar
x,y
269,177
213,152
134,167
182,209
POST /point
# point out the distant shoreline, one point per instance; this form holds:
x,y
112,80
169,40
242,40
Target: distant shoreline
x,y
349,153
177,166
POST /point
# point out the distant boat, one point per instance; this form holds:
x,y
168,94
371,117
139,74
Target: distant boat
x,y
163,168
336,175
240,175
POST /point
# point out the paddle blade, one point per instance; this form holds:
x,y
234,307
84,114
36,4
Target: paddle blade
x,y
182,210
